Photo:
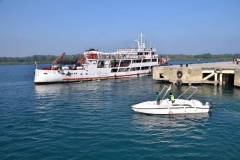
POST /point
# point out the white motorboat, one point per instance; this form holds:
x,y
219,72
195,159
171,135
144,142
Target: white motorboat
x,y
180,106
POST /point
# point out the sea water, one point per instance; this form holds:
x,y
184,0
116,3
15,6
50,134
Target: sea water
x,y
94,120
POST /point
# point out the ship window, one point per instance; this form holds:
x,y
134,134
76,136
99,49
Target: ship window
x,y
146,60
80,73
154,60
135,68
144,68
86,73
136,61
114,70
125,63
100,64
140,53
114,63
123,69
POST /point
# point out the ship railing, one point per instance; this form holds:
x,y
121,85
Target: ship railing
x,y
120,56
135,49
124,56
127,49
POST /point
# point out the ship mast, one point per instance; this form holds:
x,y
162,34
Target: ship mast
x,y
141,44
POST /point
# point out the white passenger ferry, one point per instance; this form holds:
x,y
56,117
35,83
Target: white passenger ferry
x,y
95,65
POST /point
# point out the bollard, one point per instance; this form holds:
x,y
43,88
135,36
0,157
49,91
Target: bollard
x,y
186,65
180,65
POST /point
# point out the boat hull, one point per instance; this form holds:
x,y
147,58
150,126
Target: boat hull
x,y
65,76
167,108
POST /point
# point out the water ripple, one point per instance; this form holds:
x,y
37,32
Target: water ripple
x,y
94,120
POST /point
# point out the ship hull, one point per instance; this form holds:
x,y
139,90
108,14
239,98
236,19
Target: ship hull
x,y
66,76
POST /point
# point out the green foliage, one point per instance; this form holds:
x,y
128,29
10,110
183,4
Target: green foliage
x,y
41,59
204,56
48,59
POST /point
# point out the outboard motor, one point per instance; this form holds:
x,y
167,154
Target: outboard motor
x,y
209,104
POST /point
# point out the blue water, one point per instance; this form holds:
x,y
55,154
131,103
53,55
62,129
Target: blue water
x,y
94,120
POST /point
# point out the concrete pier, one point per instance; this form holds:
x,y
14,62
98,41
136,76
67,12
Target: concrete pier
x,y
218,73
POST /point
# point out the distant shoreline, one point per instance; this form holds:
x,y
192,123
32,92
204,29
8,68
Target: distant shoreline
x,y
48,59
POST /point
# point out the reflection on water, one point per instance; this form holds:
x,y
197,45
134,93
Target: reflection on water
x,y
173,128
45,90
66,88
97,116
149,121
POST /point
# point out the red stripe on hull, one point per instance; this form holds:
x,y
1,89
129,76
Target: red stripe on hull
x,y
108,77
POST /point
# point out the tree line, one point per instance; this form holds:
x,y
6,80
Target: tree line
x,y
70,59
40,59
204,56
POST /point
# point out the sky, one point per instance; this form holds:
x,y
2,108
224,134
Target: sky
x,y
51,27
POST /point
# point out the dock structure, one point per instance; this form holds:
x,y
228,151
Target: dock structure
x,y
218,73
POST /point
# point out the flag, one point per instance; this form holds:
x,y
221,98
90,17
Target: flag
x,y
35,63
